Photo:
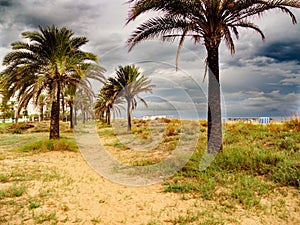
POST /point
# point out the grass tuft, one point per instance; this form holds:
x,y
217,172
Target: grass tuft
x,y
13,191
49,145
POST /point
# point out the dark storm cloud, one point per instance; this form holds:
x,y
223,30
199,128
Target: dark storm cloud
x,y
263,78
258,103
31,13
282,51
5,3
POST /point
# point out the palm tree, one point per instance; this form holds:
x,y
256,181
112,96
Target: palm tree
x,y
83,101
42,101
128,83
5,109
107,102
50,61
208,22
69,95
100,108
104,102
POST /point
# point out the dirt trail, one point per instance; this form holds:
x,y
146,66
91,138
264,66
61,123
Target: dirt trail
x,y
84,196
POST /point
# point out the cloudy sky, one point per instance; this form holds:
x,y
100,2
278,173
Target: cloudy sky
x,y
261,79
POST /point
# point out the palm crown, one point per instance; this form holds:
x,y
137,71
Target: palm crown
x,y
206,20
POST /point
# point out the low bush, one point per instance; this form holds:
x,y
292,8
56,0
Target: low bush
x,y
18,128
293,124
49,145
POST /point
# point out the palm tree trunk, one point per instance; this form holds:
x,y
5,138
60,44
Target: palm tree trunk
x,y
108,117
17,117
63,107
54,117
71,115
214,133
75,115
129,113
83,119
42,112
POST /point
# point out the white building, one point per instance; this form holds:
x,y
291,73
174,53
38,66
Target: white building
x,y
154,117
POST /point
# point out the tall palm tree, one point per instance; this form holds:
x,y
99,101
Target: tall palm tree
x,y
128,83
208,22
50,61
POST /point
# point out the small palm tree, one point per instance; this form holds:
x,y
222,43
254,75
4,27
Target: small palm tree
x,y
105,102
50,61
5,110
108,102
69,97
41,102
208,22
128,83
100,108
83,101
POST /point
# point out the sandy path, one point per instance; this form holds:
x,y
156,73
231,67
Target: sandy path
x,y
84,196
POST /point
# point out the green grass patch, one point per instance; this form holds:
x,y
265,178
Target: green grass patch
x,y
185,187
255,160
13,141
249,190
4,177
5,124
49,145
13,191
106,132
34,203
201,218
43,217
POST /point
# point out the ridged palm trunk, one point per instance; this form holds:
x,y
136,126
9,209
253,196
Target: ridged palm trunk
x,y
71,115
54,118
129,113
75,115
84,117
107,115
41,113
214,134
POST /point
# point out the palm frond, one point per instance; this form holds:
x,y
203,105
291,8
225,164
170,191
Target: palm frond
x,y
156,27
210,20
